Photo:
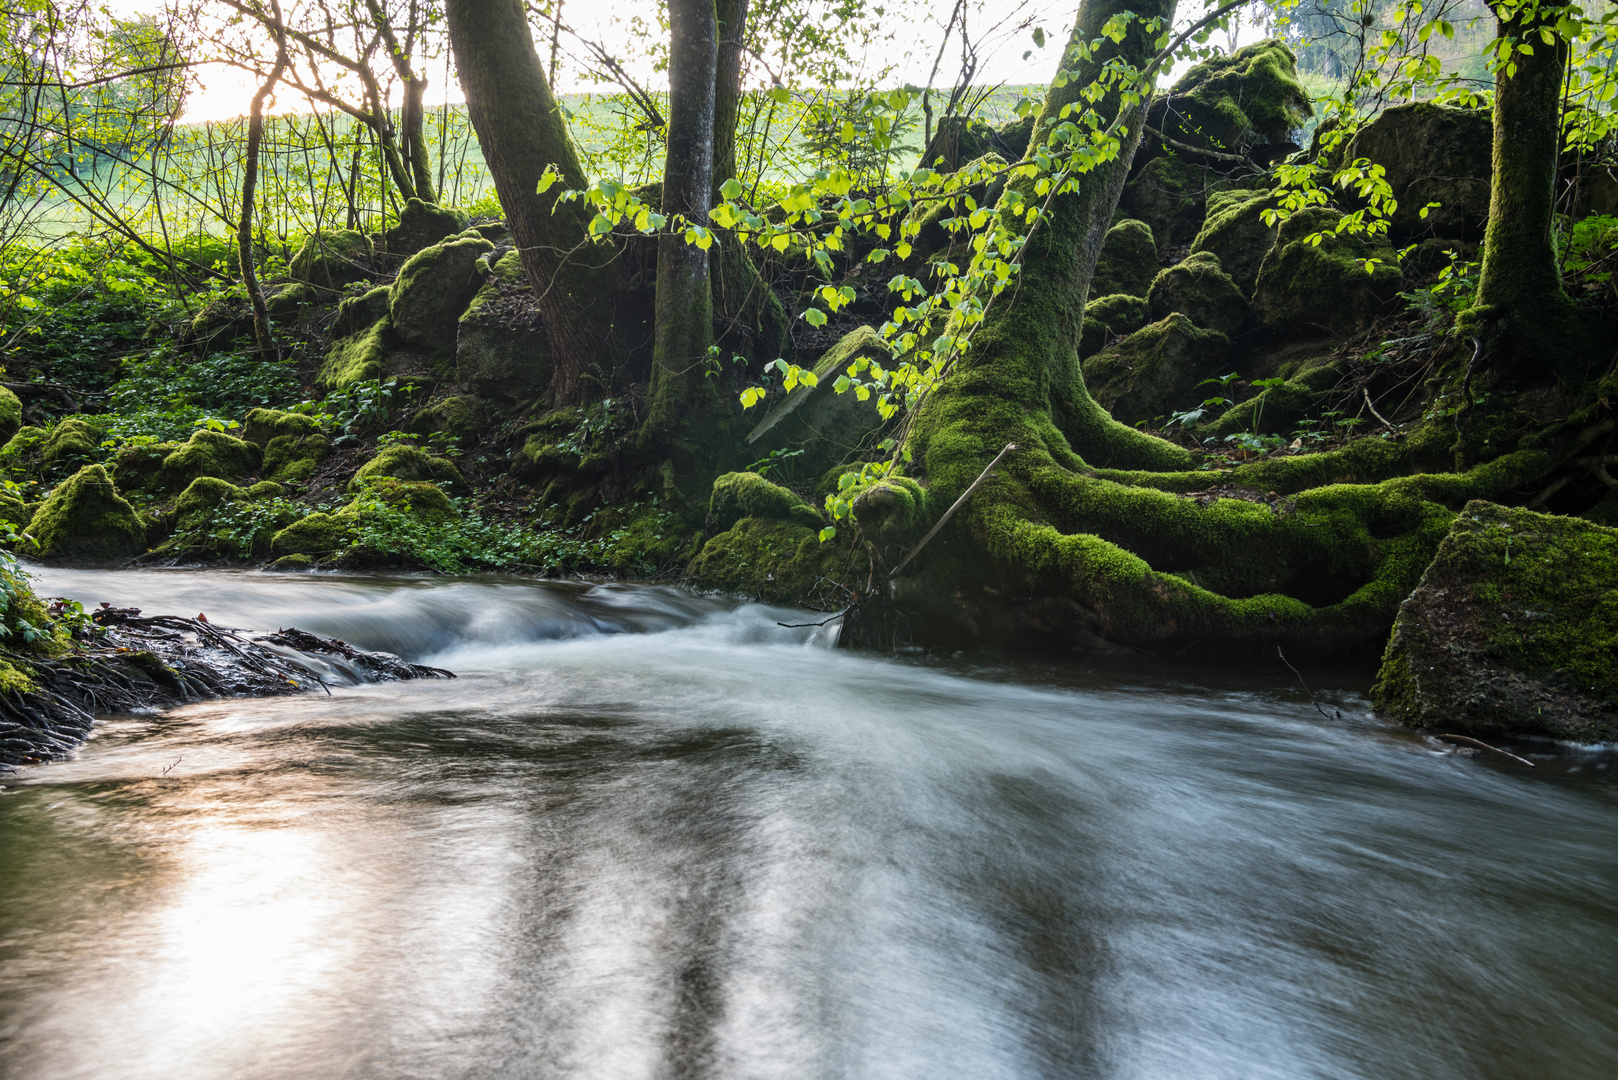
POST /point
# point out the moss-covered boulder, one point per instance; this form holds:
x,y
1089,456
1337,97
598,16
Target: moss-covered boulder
x,y
421,499
407,463
357,358
1199,289
293,459
1432,154
202,495
1235,231
331,259
501,351
773,560
1276,410
262,425
1249,103
210,453
459,415
422,224
1015,136
85,519
23,446
826,427
740,495
71,443
10,414
138,468
1155,371
356,314
319,535
1324,285
288,299
14,511
1170,194
1514,628
1109,318
1128,261
433,289
893,515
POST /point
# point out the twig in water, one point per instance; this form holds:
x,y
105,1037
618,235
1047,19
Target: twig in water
x,y
1303,684
823,622
177,760
1486,746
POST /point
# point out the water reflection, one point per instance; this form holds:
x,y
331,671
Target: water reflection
x,y
719,850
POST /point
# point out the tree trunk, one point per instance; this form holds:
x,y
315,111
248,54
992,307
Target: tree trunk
x,y
1520,287
244,228
1081,536
682,396
521,130
748,317
411,119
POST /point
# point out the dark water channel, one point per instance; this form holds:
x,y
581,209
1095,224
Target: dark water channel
x,y
648,834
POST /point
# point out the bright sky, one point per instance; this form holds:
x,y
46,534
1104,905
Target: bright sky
x,y
916,27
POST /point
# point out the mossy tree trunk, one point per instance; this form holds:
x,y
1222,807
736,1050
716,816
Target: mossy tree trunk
x,y
521,130
1520,296
411,112
683,398
1083,535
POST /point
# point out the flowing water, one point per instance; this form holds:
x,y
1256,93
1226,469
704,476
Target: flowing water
x,y
648,834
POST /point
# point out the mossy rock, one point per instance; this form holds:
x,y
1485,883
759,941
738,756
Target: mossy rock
x,y
1513,629
1324,285
422,224
1432,154
501,351
201,496
1128,261
1015,136
1110,317
14,511
826,426
357,358
740,495
72,442
23,445
960,139
1235,231
772,560
407,463
293,459
292,563
137,468
1155,370
1276,410
210,453
421,499
1170,195
262,425
893,515
10,414
433,289
1240,103
356,314
320,535
460,415
331,259
932,237
1199,289
289,299
85,519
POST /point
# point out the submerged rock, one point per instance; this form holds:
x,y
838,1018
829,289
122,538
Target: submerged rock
x,y
1514,628
86,519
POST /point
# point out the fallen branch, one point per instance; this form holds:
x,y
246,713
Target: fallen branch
x,y
1486,746
1303,684
967,494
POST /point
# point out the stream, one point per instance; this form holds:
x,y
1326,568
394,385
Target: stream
x,y
652,834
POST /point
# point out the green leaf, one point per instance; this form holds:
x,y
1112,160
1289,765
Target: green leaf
x,y
814,317
731,189
1039,36
828,533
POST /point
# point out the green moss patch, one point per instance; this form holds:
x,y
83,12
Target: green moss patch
x,y
743,494
85,519
407,463
358,357
776,561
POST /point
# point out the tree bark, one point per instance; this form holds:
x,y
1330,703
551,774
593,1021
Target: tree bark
x,y
411,114
682,396
521,130
244,228
1520,285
